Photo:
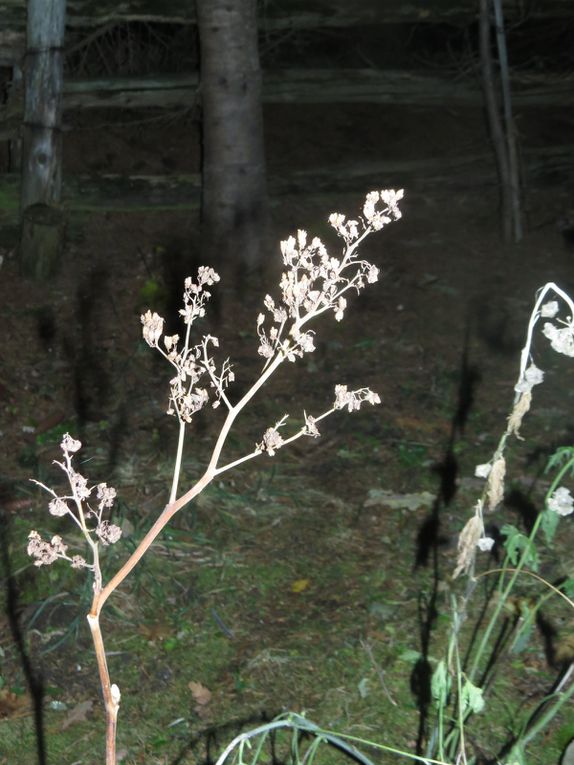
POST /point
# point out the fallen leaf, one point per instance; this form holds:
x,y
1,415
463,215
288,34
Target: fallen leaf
x,y
201,694
13,704
300,585
155,631
77,714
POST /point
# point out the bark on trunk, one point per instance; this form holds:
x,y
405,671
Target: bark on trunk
x,y
513,163
494,120
42,137
13,101
234,195
41,172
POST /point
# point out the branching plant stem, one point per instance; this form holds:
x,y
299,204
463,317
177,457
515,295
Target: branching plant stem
x,y
101,594
505,591
314,283
452,743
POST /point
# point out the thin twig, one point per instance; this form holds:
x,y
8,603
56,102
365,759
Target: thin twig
x,y
366,646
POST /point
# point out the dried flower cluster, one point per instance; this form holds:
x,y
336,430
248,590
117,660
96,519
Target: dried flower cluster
x,y
314,281
88,518
191,363
350,400
561,338
561,501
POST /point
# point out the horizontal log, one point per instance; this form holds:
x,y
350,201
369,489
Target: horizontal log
x,y
303,86
322,86
543,168
289,14
405,87
131,93
276,16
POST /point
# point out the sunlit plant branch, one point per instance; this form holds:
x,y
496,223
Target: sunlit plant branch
x,y
312,283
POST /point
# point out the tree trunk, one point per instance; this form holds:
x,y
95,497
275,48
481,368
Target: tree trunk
x,y
14,99
42,137
234,195
494,120
513,164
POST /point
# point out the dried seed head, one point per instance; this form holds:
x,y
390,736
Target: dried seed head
x,y
152,328
521,407
495,486
467,543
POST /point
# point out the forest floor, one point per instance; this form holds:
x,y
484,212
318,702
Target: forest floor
x,y
313,581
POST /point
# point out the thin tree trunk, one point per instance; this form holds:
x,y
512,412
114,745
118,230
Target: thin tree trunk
x,y
494,122
15,98
513,165
234,194
42,137
42,170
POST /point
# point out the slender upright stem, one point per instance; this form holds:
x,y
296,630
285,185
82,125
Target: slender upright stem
x,y
504,591
110,693
512,151
177,466
168,512
494,121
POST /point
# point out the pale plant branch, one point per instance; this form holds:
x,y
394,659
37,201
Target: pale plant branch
x,y
303,431
535,316
312,283
177,463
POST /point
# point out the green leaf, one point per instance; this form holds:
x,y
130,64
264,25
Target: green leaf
x,y
158,742
559,458
55,434
549,522
519,547
153,294
472,698
567,587
440,685
169,644
410,655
